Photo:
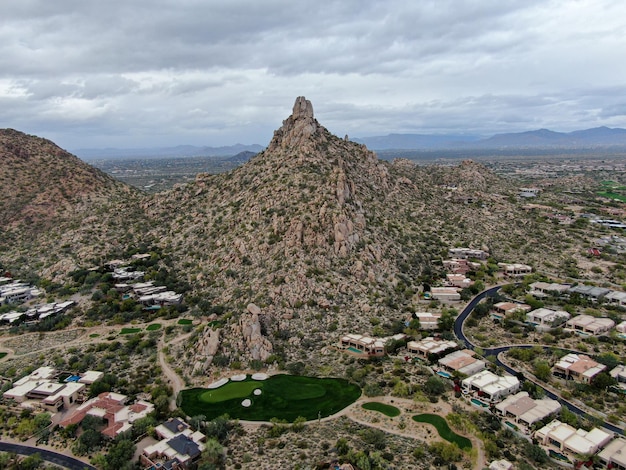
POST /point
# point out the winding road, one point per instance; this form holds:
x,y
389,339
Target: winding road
x,y
48,455
458,331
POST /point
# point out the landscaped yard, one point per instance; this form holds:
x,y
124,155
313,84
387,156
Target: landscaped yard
x,y
3,354
282,396
443,429
153,327
387,410
185,321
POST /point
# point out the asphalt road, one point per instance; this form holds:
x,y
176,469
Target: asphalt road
x,y
458,332
48,455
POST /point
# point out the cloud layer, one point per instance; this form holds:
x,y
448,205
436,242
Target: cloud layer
x,y
165,72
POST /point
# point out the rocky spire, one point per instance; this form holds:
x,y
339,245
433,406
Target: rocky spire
x,y
297,128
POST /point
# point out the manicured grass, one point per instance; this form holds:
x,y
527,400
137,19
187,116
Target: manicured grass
x,y
185,321
129,331
3,354
216,323
153,327
94,335
444,430
284,397
230,390
387,410
612,195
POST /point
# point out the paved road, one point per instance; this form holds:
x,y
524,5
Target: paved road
x,y
48,455
458,331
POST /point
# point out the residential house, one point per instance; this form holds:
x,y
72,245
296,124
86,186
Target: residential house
x,y
621,330
525,411
515,269
460,266
463,361
614,454
616,298
503,309
445,294
501,464
428,347
111,408
590,325
590,293
547,318
489,386
571,442
361,344
458,280
177,448
465,253
428,321
541,290
619,374
577,367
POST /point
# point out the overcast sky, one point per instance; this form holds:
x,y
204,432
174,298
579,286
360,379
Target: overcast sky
x,y
144,73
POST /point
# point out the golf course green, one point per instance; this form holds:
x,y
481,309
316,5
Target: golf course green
x,y
279,396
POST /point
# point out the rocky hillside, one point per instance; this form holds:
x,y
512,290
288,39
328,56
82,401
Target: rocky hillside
x,y
315,237
312,238
57,211
39,179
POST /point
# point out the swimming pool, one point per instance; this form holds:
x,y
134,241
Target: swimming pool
x,y
73,378
355,350
511,425
444,374
479,403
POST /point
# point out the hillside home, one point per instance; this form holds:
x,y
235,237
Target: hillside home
x,y
17,292
126,274
42,387
490,386
445,294
501,464
621,329
458,280
428,321
111,408
464,362
614,454
590,325
428,347
616,298
460,266
177,448
547,318
515,269
525,411
465,253
619,374
361,344
541,290
590,293
571,442
502,309
577,367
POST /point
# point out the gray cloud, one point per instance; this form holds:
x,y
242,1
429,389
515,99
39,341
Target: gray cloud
x,y
160,72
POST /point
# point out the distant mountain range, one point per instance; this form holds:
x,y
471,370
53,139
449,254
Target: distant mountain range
x,y
542,138
167,152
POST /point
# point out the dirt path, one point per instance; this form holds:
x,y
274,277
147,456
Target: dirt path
x,y
172,377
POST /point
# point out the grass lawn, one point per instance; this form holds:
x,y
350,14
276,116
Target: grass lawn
x,y
612,195
94,335
185,321
283,397
3,354
129,331
444,430
387,410
153,327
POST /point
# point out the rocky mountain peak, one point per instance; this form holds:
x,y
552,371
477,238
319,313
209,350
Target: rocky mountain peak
x,y
297,128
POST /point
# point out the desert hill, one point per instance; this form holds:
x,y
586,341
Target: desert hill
x,y
319,235
39,179
312,238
